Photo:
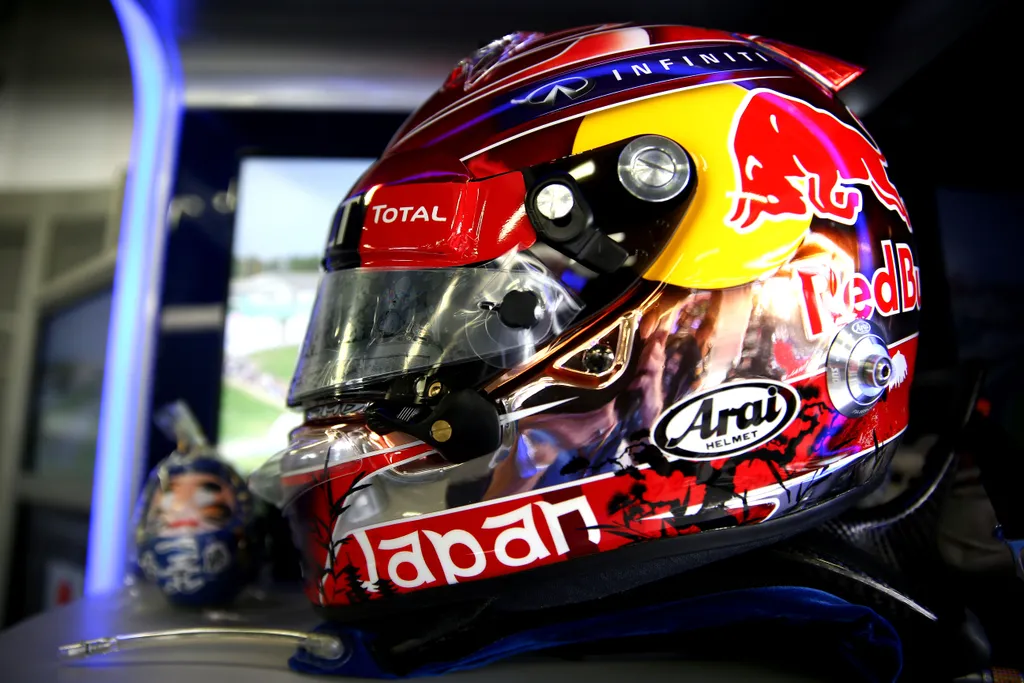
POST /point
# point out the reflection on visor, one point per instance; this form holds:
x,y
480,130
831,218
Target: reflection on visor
x,y
370,324
342,454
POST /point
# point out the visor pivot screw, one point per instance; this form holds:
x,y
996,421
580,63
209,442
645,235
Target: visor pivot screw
x,y
859,368
441,431
554,201
877,371
434,390
598,359
654,168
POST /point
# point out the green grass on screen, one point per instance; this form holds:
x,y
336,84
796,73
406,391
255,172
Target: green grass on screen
x,y
243,416
279,362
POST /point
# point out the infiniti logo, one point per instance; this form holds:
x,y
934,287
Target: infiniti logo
x,y
571,88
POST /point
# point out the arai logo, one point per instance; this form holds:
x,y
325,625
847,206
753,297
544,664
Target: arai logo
x,y
730,419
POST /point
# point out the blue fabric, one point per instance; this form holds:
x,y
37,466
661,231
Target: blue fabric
x,y
864,642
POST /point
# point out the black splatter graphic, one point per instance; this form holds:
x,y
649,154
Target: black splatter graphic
x,y
352,580
385,588
784,450
651,455
345,576
574,466
816,421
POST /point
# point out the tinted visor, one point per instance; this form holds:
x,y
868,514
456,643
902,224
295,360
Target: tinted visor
x,y
372,324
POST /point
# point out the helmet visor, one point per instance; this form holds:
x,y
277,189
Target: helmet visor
x,y
371,324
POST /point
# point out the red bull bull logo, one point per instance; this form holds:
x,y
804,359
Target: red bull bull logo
x,y
793,161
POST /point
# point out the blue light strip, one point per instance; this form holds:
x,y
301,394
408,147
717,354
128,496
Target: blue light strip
x,y
124,418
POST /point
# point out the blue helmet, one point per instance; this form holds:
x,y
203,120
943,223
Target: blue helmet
x,y
195,533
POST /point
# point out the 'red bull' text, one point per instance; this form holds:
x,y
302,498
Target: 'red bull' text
x,y
829,298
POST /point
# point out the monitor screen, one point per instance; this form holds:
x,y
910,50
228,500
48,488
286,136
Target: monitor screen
x,y
65,402
283,214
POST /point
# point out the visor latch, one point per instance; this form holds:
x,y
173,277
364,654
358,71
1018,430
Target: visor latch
x,y
462,426
564,220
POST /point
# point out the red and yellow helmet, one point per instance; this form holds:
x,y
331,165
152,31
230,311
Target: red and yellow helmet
x,y
621,297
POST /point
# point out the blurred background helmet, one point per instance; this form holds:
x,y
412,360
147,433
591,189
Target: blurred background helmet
x,y
614,303
195,531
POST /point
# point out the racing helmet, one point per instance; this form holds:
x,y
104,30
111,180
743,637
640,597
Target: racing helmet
x,y
196,534
614,302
